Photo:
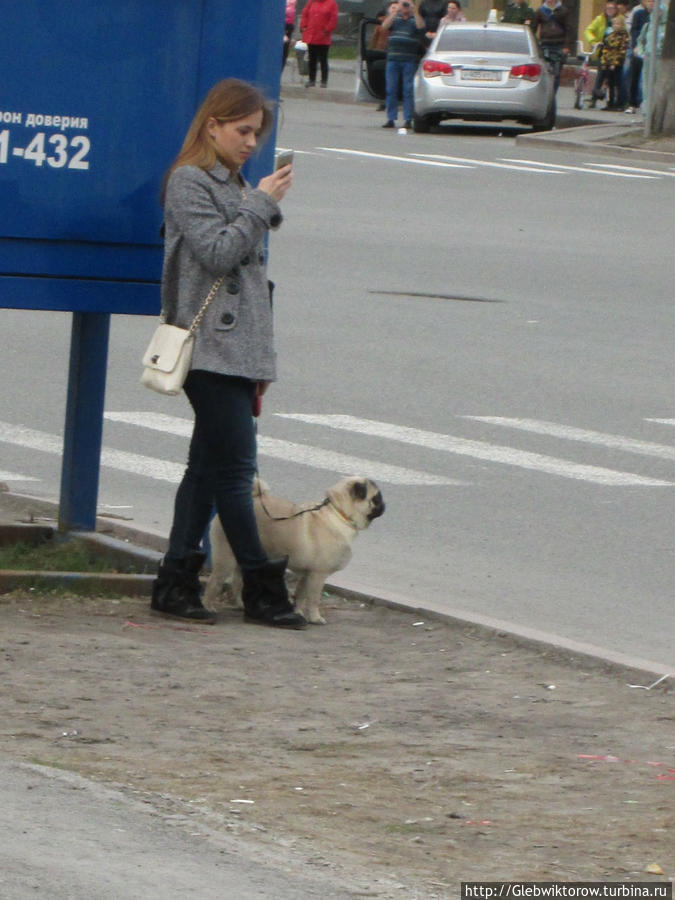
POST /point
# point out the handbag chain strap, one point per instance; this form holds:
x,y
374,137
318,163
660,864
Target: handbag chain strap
x,y
205,305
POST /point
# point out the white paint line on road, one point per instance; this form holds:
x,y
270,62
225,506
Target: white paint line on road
x,y
662,421
348,465
530,162
405,159
292,452
13,476
147,466
154,421
478,449
632,169
615,441
494,165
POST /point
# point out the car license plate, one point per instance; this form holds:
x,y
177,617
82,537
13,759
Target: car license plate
x,y
480,75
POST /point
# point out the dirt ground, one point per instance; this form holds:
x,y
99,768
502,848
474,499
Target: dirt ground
x,y
402,754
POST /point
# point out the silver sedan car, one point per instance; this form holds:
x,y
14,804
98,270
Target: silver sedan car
x,y
484,72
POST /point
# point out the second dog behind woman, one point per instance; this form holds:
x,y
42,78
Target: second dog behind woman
x,y
215,224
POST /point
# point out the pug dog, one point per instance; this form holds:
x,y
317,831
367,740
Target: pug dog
x,y
316,538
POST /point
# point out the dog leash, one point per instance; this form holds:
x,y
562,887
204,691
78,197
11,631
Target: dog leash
x,y
300,512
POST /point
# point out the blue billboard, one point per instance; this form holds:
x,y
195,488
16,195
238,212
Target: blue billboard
x,y
95,99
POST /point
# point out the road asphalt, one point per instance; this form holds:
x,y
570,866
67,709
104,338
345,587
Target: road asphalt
x,y
65,837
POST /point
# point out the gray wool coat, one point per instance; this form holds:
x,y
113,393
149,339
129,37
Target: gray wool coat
x,y
211,230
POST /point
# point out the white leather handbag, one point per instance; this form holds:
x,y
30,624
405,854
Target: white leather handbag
x,y
166,362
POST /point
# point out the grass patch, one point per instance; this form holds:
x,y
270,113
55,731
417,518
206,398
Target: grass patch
x,y
342,51
54,556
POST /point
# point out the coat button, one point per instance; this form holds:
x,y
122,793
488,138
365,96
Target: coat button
x,y
232,287
246,260
227,318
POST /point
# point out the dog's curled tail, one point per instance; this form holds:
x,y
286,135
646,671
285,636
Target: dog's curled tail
x,y
260,486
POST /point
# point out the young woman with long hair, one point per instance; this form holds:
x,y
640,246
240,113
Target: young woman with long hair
x,y
215,225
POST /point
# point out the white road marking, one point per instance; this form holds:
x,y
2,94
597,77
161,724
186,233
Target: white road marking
x,y
615,441
406,159
662,421
478,450
147,466
632,169
496,165
13,476
530,162
292,452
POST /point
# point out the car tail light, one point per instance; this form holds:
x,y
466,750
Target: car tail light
x,y
433,67
529,72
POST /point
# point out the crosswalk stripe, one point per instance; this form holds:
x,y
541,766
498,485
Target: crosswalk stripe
x,y
447,162
134,463
631,169
615,441
293,452
478,449
391,157
530,162
13,476
546,170
662,421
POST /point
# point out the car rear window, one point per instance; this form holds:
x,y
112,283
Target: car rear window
x,y
483,40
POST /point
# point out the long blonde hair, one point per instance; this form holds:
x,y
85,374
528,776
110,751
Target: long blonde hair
x,y
227,101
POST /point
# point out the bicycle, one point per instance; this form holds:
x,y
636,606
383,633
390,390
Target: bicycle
x,y
583,78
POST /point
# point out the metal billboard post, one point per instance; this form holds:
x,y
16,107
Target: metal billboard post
x,y
84,421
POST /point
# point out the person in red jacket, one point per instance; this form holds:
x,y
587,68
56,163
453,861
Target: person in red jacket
x,y
317,23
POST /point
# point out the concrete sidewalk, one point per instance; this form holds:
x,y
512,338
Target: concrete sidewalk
x,y
67,838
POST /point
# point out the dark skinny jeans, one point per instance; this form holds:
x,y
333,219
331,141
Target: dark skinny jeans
x,y
318,56
220,469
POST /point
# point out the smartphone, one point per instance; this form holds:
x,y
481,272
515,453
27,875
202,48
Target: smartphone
x,y
283,158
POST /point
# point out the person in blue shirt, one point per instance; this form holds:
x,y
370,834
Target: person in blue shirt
x,y
639,19
406,30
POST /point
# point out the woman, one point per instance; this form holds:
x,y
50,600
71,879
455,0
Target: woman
x,y
215,225
289,25
317,24
454,13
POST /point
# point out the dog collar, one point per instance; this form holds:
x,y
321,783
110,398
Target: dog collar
x,y
342,515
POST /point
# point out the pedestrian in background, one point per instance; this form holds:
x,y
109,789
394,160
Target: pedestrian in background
x,y
317,24
289,26
215,224
406,28
551,25
638,21
376,55
611,59
432,11
518,13
595,34
644,49
454,14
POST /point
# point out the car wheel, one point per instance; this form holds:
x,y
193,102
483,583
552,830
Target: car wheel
x,y
547,122
421,124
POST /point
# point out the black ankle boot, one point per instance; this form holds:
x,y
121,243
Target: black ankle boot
x,y
177,590
265,596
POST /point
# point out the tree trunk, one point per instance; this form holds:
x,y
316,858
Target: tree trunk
x,y
663,106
